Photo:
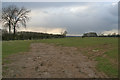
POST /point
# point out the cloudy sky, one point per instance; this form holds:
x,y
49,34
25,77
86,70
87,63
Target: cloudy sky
x,y
74,17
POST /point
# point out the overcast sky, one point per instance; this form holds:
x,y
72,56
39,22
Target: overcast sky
x,y
74,17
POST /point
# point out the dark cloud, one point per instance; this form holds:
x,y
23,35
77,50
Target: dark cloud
x,y
77,18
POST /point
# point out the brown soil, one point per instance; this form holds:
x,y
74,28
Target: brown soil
x,y
49,61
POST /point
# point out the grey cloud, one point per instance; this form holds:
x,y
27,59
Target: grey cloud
x,y
44,4
97,17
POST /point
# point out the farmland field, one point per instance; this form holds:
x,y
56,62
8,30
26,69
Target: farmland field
x,y
104,51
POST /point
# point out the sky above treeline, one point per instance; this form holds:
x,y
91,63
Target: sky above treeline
x,y
74,17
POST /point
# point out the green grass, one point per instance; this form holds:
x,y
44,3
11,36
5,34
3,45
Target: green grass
x,y
105,66
11,47
109,45
82,42
112,53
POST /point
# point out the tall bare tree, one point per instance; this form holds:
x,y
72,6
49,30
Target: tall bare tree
x,y
7,15
64,33
14,16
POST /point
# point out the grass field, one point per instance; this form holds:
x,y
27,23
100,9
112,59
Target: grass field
x,y
11,47
103,50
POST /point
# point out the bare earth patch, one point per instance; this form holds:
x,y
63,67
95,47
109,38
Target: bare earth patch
x,y
49,61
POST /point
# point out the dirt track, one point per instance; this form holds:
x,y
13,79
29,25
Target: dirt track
x,y
50,61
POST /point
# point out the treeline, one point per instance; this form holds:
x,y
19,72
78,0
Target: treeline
x,y
113,35
94,34
28,36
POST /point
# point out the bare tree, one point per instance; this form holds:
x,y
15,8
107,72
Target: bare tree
x,y
7,15
64,33
14,16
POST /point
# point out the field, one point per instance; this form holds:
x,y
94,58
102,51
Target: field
x,y
102,50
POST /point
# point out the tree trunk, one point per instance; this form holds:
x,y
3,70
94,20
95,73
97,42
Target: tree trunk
x,y
14,29
9,28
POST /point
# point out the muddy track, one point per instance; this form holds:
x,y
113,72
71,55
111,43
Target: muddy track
x,y
49,61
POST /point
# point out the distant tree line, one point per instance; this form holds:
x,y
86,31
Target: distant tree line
x,y
24,35
94,34
110,35
90,34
